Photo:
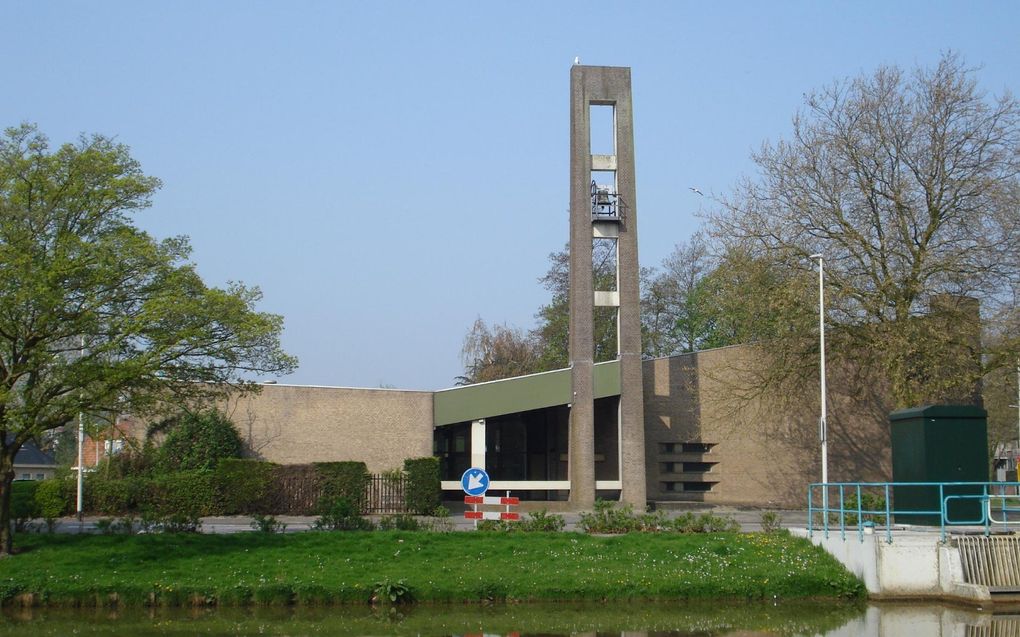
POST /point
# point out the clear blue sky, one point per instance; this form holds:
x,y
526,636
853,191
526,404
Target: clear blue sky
x,y
387,172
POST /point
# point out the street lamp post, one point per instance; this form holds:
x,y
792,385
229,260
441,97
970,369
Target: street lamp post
x,y
822,433
1016,450
79,505
79,508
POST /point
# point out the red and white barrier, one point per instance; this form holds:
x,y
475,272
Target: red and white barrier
x,y
482,500
491,515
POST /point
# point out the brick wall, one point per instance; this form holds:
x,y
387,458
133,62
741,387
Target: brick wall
x,y
290,424
714,443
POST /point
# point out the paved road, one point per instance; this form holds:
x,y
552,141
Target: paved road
x,y
748,518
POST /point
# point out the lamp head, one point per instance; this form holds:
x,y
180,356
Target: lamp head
x,y
815,256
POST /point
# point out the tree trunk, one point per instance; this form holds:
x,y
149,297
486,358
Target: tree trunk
x,y
6,478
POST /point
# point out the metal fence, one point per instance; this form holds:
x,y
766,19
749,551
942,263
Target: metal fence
x,y
863,507
295,490
298,488
385,494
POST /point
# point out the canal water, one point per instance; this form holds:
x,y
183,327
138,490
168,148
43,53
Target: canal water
x,y
636,619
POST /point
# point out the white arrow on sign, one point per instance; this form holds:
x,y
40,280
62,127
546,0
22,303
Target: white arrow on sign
x,y
474,481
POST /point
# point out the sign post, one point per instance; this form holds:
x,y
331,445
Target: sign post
x,y
475,483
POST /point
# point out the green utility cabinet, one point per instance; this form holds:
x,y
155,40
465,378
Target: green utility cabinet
x,y
939,443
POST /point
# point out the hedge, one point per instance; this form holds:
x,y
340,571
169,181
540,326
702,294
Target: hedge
x,y
53,498
342,481
243,486
116,496
184,493
23,505
422,491
238,486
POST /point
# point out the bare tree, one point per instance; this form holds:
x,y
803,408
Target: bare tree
x,y
491,353
908,185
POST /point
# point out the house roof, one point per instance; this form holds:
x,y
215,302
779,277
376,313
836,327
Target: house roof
x,y
31,454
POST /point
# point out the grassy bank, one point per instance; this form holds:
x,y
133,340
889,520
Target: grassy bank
x,y
329,568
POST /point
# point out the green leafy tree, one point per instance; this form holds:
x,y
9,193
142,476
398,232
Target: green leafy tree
x,y
909,185
501,351
197,441
677,315
553,328
679,311
552,331
999,392
96,316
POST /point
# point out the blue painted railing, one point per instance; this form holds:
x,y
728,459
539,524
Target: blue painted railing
x,y
842,506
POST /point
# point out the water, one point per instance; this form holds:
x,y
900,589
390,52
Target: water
x,y
618,619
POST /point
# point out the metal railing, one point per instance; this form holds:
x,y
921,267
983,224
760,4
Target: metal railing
x,y
385,494
865,506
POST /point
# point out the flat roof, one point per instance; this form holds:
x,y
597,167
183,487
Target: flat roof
x,y
517,394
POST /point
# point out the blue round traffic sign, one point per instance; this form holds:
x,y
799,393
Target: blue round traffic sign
x,y
474,481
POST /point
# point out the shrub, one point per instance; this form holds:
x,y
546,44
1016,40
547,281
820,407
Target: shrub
x,y
23,505
537,521
400,522
124,525
422,492
389,592
492,525
771,522
439,520
342,515
874,502
243,486
267,524
542,521
115,496
170,523
109,526
342,481
198,441
705,523
53,498
185,495
720,524
653,521
688,522
609,518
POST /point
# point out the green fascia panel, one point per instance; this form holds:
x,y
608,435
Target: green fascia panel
x,y
938,411
521,393
607,379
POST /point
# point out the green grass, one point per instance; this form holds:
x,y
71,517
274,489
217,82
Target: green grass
x,y
311,569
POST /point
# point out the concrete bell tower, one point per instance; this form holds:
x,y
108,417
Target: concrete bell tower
x,y
603,209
